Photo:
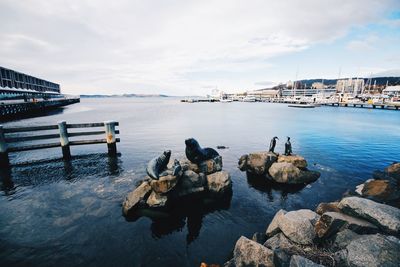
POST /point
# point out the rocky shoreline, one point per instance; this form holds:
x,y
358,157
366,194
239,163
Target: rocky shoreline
x,y
361,229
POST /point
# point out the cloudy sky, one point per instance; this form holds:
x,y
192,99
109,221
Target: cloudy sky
x,y
190,47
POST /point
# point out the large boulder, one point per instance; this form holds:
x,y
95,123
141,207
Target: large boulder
x,y
296,160
326,207
373,250
250,253
280,241
164,184
384,216
136,197
189,183
219,182
332,222
257,163
298,226
156,200
299,261
273,227
287,173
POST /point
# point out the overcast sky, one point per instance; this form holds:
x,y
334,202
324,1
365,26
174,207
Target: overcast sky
x,y
190,47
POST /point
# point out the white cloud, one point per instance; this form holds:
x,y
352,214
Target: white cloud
x,y
167,46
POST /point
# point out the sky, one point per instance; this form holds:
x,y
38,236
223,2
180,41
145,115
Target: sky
x,y
188,47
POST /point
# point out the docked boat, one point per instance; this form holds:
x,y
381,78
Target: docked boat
x,y
249,99
301,106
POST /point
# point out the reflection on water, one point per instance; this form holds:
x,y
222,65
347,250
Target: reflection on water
x,y
267,186
68,213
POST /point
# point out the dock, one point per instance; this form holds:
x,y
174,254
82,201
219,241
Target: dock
x,y
390,106
12,109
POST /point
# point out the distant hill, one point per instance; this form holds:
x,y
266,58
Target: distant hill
x,y
123,95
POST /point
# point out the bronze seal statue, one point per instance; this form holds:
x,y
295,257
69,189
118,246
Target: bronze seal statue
x,y
196,154
158,164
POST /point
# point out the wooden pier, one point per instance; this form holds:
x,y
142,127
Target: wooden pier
x,y
364,105
12,110
8,138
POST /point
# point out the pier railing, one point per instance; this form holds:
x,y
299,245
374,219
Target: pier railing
x,y
63,133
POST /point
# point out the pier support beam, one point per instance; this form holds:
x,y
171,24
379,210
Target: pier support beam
x,y
66,151
4,160
110,137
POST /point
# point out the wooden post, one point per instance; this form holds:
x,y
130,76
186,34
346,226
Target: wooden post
x,y
4,160
62,126
110,137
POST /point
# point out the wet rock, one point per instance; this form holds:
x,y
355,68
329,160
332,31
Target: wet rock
x,y
164,184
380,190
243,162
219,182
273,227
343,238
299,261
385,217
134,198
258,163
298,226
326,207
187,165
156,200
287,173
189,183
250,253
259,238
332,222
230,263
296,160
373,250
393,171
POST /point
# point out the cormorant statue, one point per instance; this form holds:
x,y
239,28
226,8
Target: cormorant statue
x,y
288,147
272,144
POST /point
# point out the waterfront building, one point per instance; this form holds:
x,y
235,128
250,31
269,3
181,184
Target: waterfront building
x,y
17,85
308,92
392,91
317,85
264,94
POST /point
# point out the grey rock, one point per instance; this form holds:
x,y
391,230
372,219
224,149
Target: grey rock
x,y
219,182
332,222
189,183
287,173
243,163
230,263
273,227
281,258
156,200
250,253
385,217
343,238
134,198
299,261
279,241
298,226
373,250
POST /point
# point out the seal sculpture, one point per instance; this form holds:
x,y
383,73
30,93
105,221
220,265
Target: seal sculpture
x,y
158,164
196,154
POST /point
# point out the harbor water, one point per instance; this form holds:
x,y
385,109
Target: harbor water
x,y
56,213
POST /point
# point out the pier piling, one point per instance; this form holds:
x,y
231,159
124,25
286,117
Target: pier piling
x,y
66,151
4,160
110,137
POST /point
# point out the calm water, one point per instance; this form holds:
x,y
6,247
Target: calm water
x,y
69,214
